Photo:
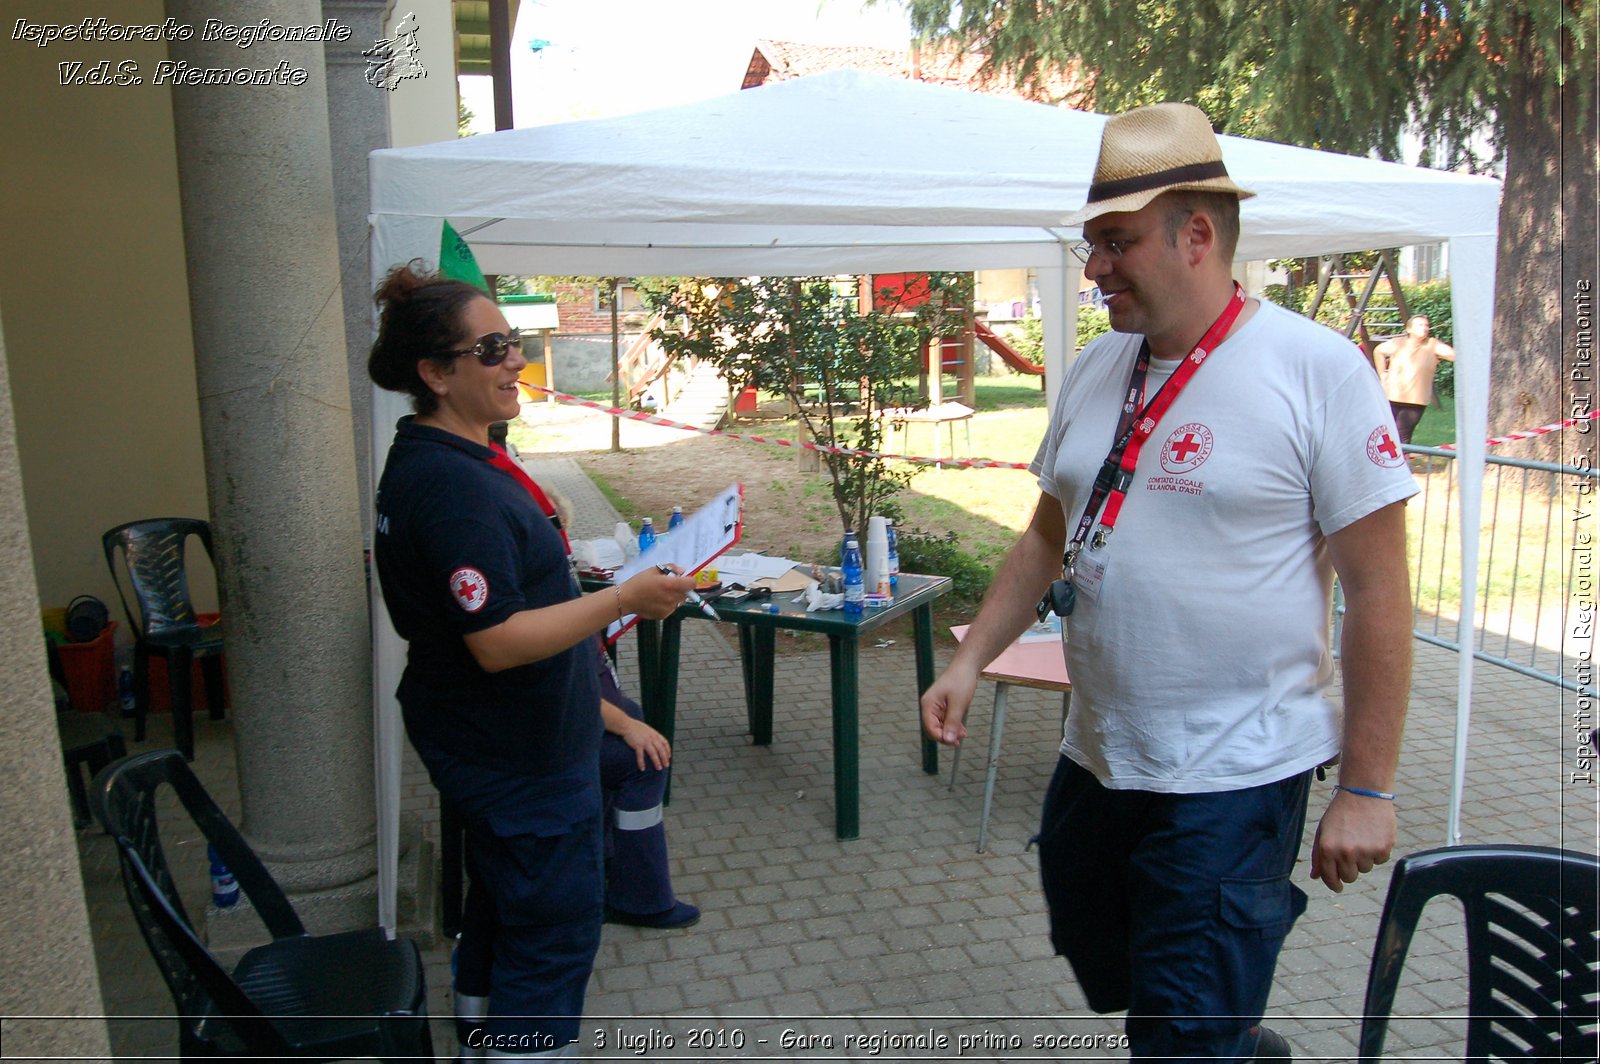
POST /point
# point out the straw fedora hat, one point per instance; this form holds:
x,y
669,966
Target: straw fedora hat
x,y
1166,147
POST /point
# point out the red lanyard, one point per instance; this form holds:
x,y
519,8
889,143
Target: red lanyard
x,y
504,463
1116,473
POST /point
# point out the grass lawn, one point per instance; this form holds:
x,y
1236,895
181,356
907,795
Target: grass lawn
x,y
1438,424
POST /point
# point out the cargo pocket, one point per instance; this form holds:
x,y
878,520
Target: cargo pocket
x,y
1269,907
546,879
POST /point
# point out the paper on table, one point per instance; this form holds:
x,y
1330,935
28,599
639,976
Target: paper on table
x,y
747,567
1047,629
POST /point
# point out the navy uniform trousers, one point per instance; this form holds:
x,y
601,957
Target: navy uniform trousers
x,y
637,876
530,927
1173,906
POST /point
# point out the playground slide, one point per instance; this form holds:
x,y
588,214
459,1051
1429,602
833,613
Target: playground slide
x,y
1007,353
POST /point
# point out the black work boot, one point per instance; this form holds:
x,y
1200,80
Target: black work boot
x,y
1270,1045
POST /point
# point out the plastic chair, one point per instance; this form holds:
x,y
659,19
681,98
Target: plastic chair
x,y
1531,916
167,626
328,997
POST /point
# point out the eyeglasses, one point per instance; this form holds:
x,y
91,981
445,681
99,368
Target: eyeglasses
x,y
1083,250
492,348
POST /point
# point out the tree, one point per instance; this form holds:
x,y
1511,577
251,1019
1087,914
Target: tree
x,y
1349,77
838,363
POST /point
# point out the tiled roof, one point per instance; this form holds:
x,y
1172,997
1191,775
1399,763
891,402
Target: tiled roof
x,y
939,65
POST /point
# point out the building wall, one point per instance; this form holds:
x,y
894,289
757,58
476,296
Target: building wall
x,y
583,363
423,111
45,952
1003,292
96,302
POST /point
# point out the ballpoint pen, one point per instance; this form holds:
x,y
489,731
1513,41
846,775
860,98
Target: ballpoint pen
x,y
694,596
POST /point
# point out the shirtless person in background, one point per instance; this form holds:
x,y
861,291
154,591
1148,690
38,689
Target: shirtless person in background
x,y
1406,366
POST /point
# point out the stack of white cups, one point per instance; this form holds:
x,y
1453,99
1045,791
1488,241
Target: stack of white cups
x,y
877,563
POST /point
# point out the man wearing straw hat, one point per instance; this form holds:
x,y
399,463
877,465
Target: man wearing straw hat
x,y
1209,467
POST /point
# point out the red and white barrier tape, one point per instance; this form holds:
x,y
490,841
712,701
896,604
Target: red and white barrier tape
x,y
962,463
1528,434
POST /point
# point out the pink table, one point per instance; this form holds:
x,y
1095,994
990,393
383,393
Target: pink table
x,y
1029,662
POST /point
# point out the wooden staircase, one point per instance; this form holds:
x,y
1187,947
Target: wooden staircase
x,y
703,399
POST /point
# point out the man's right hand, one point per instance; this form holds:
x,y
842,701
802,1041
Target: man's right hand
x,y
945,705
1007,610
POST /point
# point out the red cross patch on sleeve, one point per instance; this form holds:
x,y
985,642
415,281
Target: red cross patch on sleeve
x,y
1382,448
470,589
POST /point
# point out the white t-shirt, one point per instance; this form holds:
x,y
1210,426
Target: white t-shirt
x,y
1200,661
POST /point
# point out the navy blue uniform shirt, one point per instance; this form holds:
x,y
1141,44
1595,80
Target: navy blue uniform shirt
x,y
461,546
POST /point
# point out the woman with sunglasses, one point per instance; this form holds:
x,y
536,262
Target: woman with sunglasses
x,y
499,695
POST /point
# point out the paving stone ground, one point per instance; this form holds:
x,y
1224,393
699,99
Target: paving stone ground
x,y
906,935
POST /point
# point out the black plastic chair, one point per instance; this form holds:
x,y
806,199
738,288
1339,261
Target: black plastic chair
x,y
1533,967
167,627
328,997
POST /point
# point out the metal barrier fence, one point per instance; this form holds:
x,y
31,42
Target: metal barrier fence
x,y
1525,576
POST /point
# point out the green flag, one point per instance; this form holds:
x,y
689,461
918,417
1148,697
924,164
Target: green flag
x,y
456,260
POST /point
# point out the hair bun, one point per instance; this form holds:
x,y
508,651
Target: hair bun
x,y
404,280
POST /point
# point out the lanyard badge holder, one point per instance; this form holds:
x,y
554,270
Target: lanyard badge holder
x,y
1116,473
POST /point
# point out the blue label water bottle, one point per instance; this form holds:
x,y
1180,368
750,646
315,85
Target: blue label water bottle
x,y
894,554
126,699
647,535
676,519
224,888
853,590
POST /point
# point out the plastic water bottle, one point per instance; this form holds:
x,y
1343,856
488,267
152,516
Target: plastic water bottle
x,y
676,519
647,535
126,699
894,554
853,590
224,888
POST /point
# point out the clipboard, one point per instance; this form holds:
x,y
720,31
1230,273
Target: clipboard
x,y
693,545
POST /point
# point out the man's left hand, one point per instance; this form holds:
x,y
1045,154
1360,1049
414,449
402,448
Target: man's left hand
x,y
1356,833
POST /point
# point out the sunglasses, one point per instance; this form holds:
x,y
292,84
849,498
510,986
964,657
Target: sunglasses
x,y
492,349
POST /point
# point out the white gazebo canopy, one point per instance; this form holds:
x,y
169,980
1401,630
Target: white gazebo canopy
x,y
854,173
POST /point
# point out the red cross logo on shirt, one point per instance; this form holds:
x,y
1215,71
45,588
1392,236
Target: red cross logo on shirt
x,y
470,589
1381,448
1182,449
1186,448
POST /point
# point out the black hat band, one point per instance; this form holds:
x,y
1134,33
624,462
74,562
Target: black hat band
x,y
1178,175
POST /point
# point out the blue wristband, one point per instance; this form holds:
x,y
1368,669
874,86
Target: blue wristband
x,y
1385,795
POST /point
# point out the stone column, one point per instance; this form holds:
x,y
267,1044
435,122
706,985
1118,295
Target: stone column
x,y
267,309
46,952
358,123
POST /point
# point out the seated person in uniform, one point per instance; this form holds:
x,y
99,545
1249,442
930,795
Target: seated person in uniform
x,y
633,776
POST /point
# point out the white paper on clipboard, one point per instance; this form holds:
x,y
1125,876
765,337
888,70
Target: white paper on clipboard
x,y
691,546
